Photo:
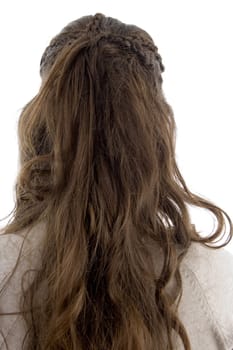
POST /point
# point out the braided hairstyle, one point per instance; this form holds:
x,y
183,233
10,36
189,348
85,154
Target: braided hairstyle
x,y
142,46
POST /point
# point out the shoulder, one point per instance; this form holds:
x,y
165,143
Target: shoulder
x,y
208,276
22,248
9,251
198,253
213,268
19,252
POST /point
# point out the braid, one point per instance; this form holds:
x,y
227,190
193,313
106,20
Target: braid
x,y
59,41
54,47
148,45
94,26
146,51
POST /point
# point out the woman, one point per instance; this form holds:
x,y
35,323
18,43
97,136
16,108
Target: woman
x,y
101,253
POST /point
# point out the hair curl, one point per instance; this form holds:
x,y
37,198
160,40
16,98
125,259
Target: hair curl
x,y
97,165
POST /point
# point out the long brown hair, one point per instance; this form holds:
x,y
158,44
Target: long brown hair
x,y
98,167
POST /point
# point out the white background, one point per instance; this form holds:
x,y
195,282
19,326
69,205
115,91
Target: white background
x,y
194,39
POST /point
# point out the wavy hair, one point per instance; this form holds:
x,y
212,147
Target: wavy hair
x,y
97,165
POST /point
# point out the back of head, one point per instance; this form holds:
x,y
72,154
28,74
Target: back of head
x,y
97,156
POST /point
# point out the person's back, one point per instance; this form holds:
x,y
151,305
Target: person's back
x,y
102,210
206,306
